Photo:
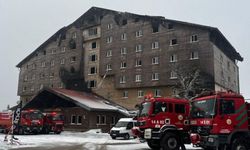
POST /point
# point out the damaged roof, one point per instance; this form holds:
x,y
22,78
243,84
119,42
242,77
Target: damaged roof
x,y
96,13
88,101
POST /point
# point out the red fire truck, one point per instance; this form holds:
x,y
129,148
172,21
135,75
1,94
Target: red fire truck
x,y
163,122
31,122
220,121
5,121
54,122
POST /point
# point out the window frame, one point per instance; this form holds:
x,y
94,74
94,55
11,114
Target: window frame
x,y
155,76
155,45
194,55
155,60
122,79
173,42
138,78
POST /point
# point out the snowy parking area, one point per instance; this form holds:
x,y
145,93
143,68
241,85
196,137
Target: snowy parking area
x,y
90,140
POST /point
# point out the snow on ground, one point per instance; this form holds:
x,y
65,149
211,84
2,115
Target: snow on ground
x,y
91,140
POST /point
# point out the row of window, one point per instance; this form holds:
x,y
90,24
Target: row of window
x,y
154,45
139,32
52,62
193,55
140,93
77,119
41,76
32,88
155,77
100,119
154,61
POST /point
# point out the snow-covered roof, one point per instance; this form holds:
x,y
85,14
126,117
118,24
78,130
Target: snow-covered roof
x,y
86,100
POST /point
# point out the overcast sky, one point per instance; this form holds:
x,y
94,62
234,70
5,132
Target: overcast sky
x,y
26,24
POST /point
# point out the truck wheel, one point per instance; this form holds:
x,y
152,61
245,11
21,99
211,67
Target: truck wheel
x,y
170,142
239,144
113,137
126,136
154,144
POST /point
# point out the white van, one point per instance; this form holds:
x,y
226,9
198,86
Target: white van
x,y
123,128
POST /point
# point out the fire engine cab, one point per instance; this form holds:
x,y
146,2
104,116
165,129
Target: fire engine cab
x,y
53,122
163,122
31,121
220,121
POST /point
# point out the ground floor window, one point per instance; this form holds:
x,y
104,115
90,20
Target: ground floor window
x,y
101,119
76,119
73,119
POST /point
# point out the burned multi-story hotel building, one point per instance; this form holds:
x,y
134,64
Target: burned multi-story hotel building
x,y
123,56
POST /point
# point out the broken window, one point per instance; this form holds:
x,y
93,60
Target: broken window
x,y
124,22
92,84
138,63
93,70
72,44
155,28
123,65
93,57
170,26
173,42
93,45
73,59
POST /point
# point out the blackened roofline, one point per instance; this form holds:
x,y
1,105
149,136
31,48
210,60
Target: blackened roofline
x,y
103,11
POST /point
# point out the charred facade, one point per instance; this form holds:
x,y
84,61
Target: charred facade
x,y
123,56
